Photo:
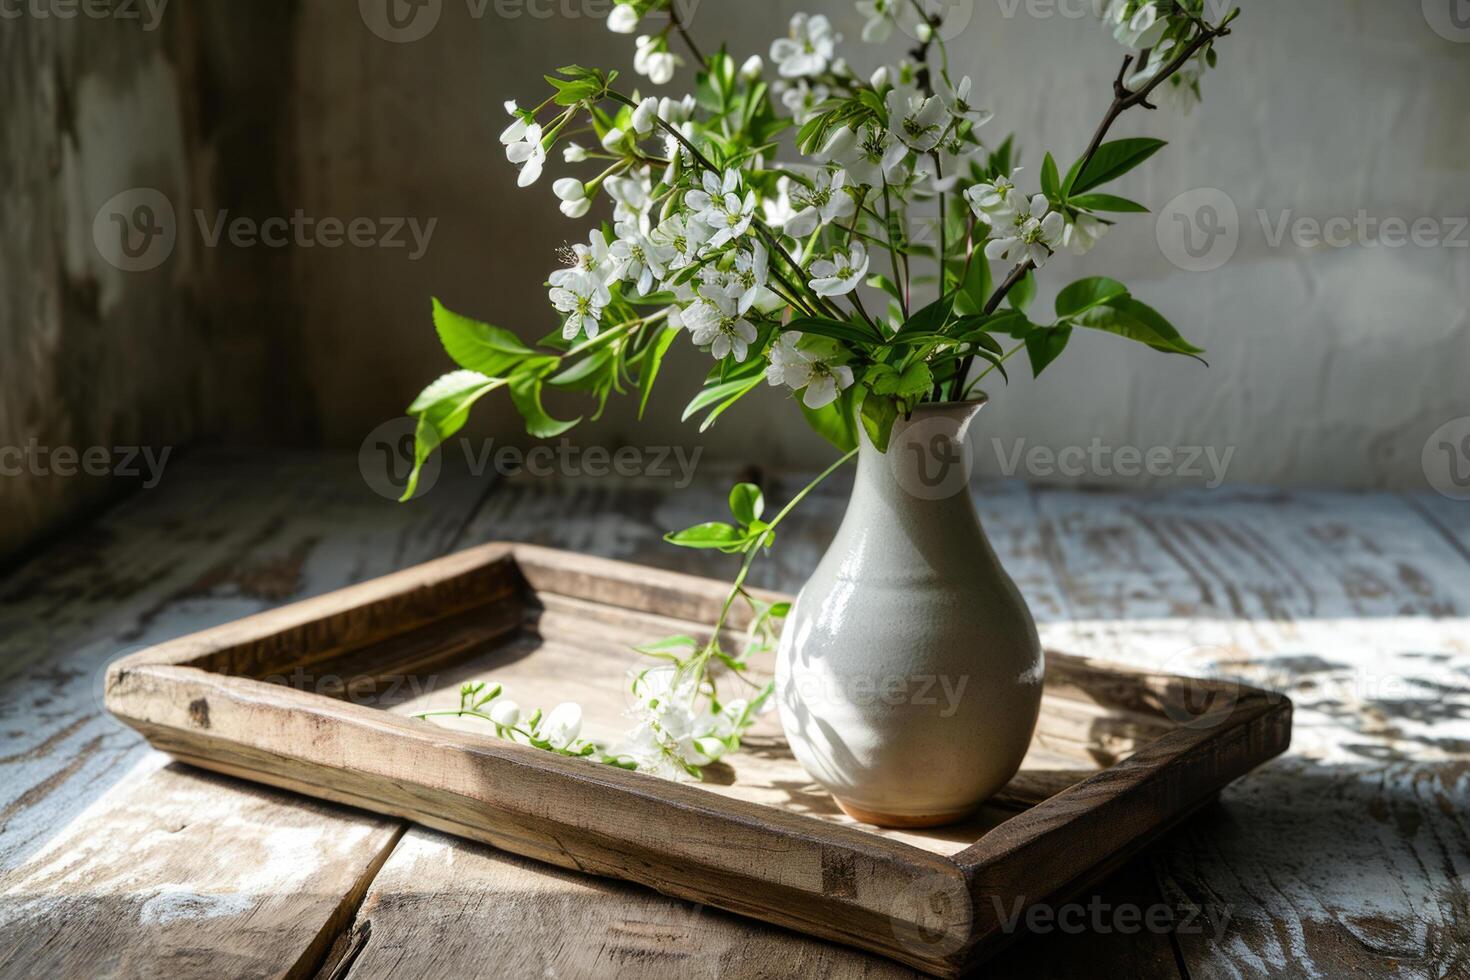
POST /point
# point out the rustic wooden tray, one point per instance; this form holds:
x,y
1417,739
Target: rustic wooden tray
x,y
315,697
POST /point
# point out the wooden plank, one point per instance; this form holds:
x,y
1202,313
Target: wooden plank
x,y
1349,856
195,552
184,873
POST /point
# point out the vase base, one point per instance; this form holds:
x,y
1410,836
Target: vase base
x,y
900,821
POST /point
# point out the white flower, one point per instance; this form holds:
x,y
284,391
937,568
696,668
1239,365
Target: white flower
x,y
569,189
752,270
881,78
505,712
612,140
638,258
516,131
721,208
574,152
918,121
753,68
623,19
802,99
992,199
788,366
562,725
714,321
871,157
825,202
675,113
633,197
778,209
683,236
576,209
654,59
957,100
1035,234
645,115
840,274
528,154
1081,235
581,297
810,363
809,47
1137,25
592,259
880,15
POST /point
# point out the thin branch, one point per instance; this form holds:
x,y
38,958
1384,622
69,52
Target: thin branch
x,y
678,23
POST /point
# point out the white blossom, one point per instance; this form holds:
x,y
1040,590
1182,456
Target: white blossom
x,y
752,271
654,59
870,157
825,202
623,19
582,298
809,47
505,712
645,116
992,199
802,99
842,273
880,15
1082,234
809,363
714,321
720,206
639,258
516,131
753,68
957,100
528,154
683,237
592,259
562,725
633,198
1035,233
574,152
917,120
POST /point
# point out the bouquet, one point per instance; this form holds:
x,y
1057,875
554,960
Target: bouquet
x,y
858,238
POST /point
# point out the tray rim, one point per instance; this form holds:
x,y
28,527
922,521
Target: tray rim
x,y
418,596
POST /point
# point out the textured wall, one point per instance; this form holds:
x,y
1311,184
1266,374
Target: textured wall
x,y
92,109
1329,365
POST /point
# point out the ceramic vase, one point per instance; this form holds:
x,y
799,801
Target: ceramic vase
x,y
909,674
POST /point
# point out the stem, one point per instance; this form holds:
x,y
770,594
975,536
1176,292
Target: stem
x,y
899,279
678,23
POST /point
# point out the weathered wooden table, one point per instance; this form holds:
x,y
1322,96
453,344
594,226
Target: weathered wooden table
x,y
1349,857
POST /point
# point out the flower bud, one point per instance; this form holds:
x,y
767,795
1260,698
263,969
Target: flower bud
x,y
569,189
882,77
576,209
613,141
574,153
623,19
644,116
751,70
505,712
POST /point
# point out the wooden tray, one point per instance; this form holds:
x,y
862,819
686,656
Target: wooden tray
x,y
314,697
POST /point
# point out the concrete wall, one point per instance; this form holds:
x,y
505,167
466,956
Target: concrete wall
x,y
1329,365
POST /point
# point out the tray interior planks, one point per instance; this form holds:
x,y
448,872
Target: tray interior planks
x,y
545,648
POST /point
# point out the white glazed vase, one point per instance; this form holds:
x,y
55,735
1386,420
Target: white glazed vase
x,y
909,675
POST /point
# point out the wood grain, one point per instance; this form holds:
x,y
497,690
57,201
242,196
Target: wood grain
x,y
198,699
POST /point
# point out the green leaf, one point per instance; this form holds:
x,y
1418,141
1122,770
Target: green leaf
x,y
1115,159
442,410
975,290
930,319
1023,292
879,413
747,503
652,361
1107,202
737,389
525,393
712,535
834,422
1046,345
477,346
1129,318
887,285
836,329
1084,294
1051,184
